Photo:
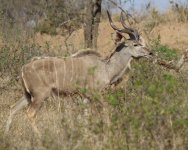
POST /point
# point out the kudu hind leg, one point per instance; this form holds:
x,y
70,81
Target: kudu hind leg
x,y
14,109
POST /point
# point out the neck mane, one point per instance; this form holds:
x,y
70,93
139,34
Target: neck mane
x,y
86,53
117,66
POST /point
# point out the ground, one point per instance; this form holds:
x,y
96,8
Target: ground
x,y
175,35
147,111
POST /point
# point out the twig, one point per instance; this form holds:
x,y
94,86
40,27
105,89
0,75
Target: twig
x,y
125,11
65,22
66,39
168,65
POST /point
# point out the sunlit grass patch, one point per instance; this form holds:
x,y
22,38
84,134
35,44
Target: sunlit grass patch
x,y
164,51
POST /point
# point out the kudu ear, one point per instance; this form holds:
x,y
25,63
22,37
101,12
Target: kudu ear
x,y
117,37
142,41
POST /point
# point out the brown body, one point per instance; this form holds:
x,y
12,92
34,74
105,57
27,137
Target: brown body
x,y
43,77
47,76
61,75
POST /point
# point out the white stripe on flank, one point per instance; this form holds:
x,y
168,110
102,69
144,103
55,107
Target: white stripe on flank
x,y
64,72
33,67
56,79
24,82
72,70
44,77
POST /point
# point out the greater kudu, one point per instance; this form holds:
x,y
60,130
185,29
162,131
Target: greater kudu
x,y
45,76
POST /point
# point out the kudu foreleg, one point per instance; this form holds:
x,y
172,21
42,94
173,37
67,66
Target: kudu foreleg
x,y
14,109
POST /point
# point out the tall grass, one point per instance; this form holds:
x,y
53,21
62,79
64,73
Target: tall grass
x,y
148,112
13,57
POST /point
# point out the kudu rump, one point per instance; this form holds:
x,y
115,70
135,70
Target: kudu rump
x,y
45,76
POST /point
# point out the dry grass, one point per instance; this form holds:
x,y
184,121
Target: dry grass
x,y
148,110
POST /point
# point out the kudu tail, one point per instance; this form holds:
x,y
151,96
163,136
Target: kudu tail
x,y
14,109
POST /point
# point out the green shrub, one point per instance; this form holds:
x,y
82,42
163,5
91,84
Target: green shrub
x,y
167,53
164,51
113,97
46,27
153,107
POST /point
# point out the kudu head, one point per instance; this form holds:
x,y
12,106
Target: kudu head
x,y
135,45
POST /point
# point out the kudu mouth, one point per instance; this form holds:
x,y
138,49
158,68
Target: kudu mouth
x,y
150,53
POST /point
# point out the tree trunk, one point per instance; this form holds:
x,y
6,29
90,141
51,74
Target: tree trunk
x,y
92,19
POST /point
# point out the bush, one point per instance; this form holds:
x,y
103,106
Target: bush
x,y
13,58
180,11
154,107
164,51
46,27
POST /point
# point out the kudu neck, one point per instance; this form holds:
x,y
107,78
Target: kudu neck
x,y
117,66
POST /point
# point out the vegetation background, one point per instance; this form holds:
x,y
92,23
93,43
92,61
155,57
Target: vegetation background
x,y
147,110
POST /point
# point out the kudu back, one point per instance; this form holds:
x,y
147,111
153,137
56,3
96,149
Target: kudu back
x,y
43,77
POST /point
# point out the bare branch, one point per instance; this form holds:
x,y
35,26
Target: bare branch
x,y
124,11
169,65
65,22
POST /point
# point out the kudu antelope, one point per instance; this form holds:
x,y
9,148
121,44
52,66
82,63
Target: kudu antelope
x,y
43,77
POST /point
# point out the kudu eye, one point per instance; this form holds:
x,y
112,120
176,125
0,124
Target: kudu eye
x,y
136,44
